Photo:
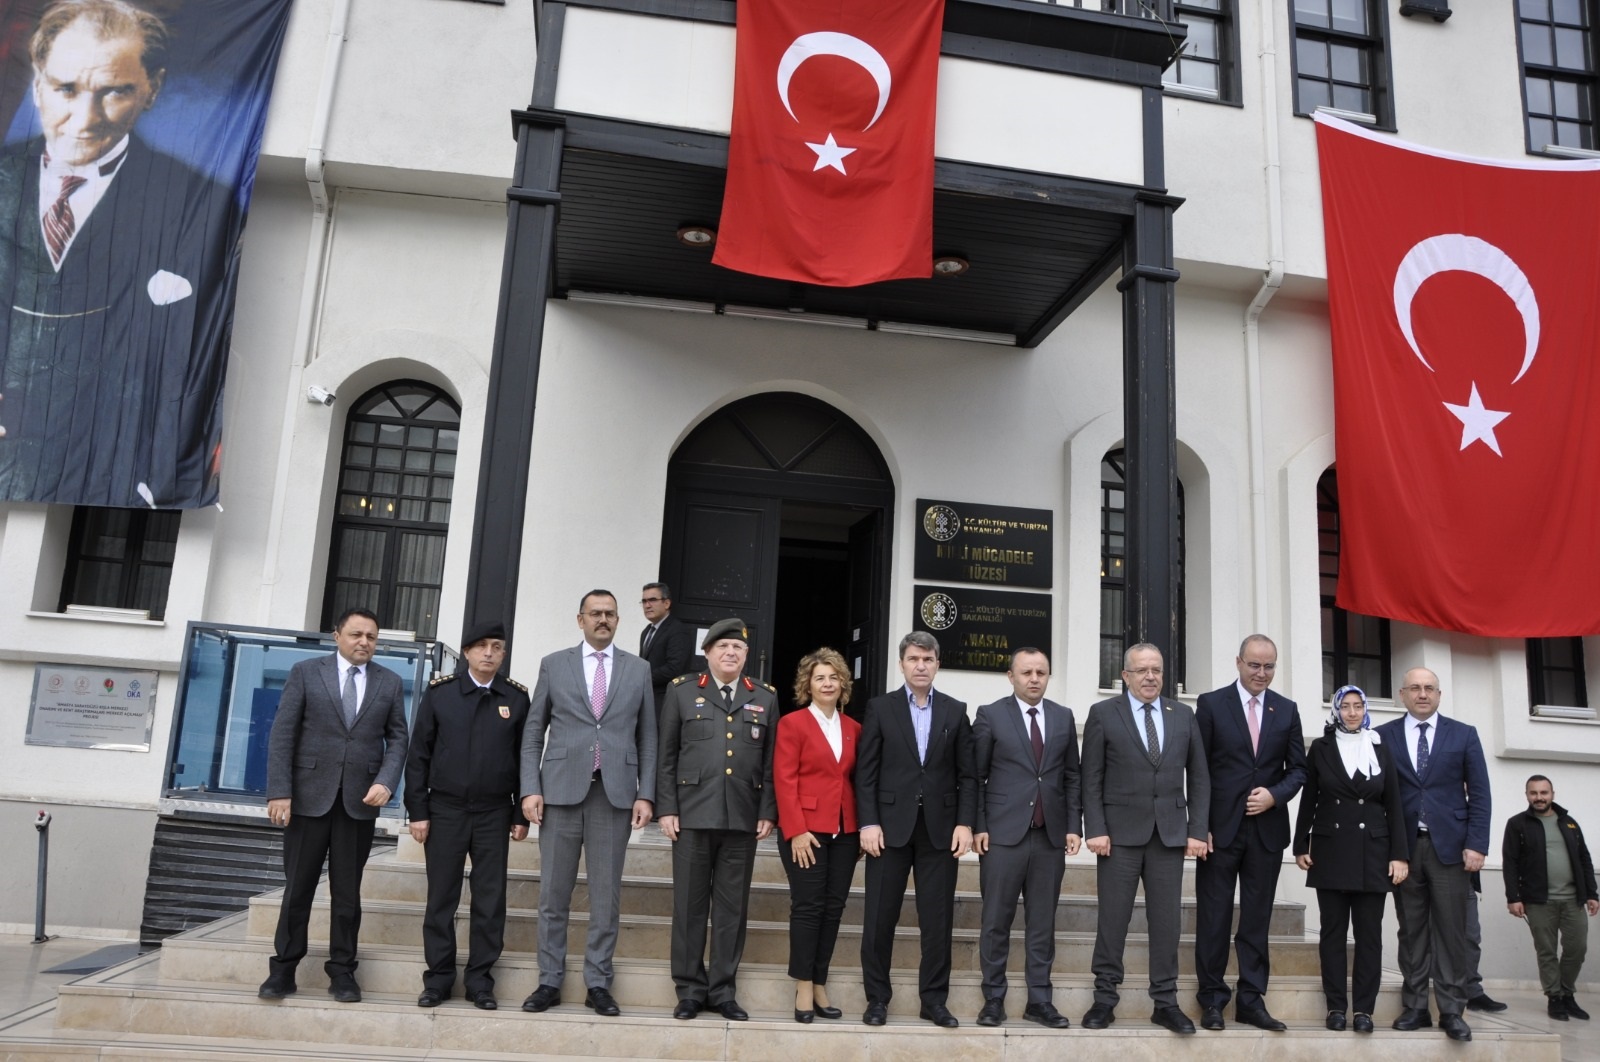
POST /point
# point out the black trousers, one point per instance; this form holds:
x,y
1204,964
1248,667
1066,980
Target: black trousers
x,y
308,840
1431,905
817,895
1253,868
711,872
1338,910
455,832
935,868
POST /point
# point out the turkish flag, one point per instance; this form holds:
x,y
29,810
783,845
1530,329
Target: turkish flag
x,y
830,161
1464,305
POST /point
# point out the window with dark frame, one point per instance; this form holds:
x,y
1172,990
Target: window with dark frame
x,y
1558,72
1556,675
1114,574
120,558
1207,66
396,478
1340,60
1355,648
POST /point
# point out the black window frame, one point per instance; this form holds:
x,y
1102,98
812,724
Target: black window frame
x,y
1114,577
143,527
1587,81
1374,44
1225,17
1337,622
1545,664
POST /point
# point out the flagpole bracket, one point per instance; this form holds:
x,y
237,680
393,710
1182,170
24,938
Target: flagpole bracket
x,y
1148,272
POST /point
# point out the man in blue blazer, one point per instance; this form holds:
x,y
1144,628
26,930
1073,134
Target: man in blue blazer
x,y
1444,787
1257,759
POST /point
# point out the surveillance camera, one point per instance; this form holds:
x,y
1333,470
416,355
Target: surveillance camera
x,y
318,394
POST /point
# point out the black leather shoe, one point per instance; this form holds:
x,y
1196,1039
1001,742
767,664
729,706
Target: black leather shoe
x,y
1173,1019
599,1000
343,989
831,1013
940,1015
687,1009
804,1017
1573,1010
542,999
276,987
1099,1016
1258,1017
431,997
1557,1008
1484,1005
993,1014
1045,1014
484,999
1211,1019
875,1014
1362,1023
1455,1028
1412,1019
730,1009
1334,1022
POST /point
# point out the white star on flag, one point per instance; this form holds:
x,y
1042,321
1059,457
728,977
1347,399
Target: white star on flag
x,y
830,154
1477,423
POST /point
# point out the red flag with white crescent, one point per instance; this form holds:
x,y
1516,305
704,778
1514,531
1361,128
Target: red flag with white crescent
x,y
830,160
1464,306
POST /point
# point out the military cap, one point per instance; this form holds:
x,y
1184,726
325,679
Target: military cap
x,y
728,628
482,632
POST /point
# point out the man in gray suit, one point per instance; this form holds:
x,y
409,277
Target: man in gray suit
x,y
588,778
1029,807
337,748
1146,803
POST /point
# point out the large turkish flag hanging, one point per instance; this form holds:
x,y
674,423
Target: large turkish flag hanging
x,y
1464,303
830,161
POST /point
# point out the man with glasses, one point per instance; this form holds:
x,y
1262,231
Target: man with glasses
x,y
1444,787
666,643
1256,756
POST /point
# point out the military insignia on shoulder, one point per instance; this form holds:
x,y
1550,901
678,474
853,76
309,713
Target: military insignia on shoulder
x,y
680,678
770,687
517,685
439,680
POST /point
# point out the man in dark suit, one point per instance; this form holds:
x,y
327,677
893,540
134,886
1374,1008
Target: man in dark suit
x,y
588,779
716,801
1256,757
462,781
1146,802
916,800
1444,786
1030,809
334,757
666,643
114,259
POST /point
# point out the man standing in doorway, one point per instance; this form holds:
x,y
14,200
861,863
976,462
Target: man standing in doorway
x,y
666,643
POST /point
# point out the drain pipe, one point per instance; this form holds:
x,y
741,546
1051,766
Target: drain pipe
x,y
309,317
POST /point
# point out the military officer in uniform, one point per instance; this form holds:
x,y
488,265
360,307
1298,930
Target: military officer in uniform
x,y
715,800
462,778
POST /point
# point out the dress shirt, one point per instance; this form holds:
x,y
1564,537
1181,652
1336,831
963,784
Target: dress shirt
x,y
921,722
1044,735
832,729
361,679
1138,720
1411,735
588,669
97,176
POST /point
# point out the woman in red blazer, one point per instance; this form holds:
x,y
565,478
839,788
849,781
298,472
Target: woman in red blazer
x,y
813,768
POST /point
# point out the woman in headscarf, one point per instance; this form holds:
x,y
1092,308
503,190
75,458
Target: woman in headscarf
x,y
1350,839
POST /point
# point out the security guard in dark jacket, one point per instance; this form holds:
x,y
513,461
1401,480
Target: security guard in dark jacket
x,y
461,793
714,800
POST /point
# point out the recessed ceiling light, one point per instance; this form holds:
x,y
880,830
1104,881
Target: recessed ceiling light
x,y
950,265
697,235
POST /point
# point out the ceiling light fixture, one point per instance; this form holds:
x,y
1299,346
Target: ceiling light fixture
x,y
697,236
950,265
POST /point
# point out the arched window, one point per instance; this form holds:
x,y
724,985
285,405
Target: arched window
x,y
396,477
1114,574
1355,648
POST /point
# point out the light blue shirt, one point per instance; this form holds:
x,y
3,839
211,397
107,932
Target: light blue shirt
x,y
921,722
1138,719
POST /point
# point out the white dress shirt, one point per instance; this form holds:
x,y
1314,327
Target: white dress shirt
x,y
832,729
97,177
589,663
1039,709
361,679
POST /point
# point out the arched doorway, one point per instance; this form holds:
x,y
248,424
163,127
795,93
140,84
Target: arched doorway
x,y
778,511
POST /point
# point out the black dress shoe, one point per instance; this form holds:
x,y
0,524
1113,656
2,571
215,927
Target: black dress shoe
x,y
1045,1014
940,1015
542,999
875,1014
831,1013
1455,1027
1362,1023
1258,1017
1573,1010
1173,1019
1099,1016
599,1000
431,997
804,1017
484,999
1335,1021
993,1014
1484,1005
1412,1019
1557,1008
343,989
730,1009
276,987
687,1009
1211,1019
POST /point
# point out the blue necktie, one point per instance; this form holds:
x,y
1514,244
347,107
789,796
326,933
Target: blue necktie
x,y
1422,766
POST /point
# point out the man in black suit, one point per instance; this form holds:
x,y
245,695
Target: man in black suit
x,y
916,800
462,778
1256,757
334,757
667,643
1030,810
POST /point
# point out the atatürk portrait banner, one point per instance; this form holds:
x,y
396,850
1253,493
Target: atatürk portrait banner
x,y
131,132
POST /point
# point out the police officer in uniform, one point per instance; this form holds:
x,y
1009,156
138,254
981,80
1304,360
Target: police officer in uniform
x,y
461,794
715,800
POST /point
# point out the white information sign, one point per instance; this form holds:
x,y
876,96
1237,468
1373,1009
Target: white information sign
x,y
92,708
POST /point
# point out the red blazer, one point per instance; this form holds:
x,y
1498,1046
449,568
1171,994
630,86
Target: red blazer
x,y
814,789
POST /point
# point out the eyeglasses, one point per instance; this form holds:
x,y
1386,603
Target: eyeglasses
x,y
1253,666
601,615
651,600
1145,671
1414,690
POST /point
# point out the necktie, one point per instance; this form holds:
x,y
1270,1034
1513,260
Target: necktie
x,y
644,643
597,701
350,705
727,696
1422,765
1038,763
59,223
1255,727
1150,734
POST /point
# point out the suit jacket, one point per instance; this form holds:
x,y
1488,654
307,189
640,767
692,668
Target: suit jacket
x,y
816,793
715,766
312,756
1454,790
1127,798
466,744
1279,762
1009,781
558,742
669,654
890,782
108,383
1352,827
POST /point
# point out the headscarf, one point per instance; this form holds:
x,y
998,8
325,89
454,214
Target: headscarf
x,y
1358,748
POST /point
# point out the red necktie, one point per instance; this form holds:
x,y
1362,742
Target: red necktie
x,y
59,223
